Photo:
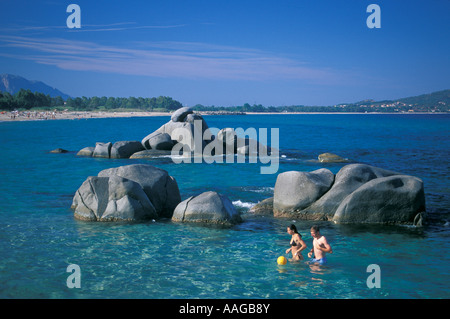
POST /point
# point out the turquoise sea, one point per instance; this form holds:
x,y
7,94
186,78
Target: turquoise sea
x,y
39,237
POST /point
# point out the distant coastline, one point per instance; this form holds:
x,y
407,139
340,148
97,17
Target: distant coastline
x,y
73,115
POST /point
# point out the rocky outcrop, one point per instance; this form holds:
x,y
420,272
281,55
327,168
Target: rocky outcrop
x,y
128,193
347,180
207,208
359,194
186,133
121,149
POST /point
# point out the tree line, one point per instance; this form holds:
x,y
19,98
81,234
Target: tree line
x,y
25,99
347,108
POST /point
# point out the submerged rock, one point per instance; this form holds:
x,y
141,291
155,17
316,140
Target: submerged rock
x,y
331,158
59,151
208,207
150,154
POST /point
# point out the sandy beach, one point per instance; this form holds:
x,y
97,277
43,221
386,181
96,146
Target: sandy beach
x,y
49,115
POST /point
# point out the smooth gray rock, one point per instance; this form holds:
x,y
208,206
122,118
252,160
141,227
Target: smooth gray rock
x,y
124,149
295,191
209,208
396,199
161,141
161,189
111,199
102,150
87,151
180,114
158,140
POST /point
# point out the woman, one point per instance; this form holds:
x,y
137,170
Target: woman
x,y
297,243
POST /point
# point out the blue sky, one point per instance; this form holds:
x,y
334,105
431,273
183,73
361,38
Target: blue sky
x,y
231,52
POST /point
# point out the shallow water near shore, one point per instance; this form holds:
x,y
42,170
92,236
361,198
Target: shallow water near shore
x,y
39,237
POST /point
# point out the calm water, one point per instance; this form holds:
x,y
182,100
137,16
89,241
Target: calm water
x,y
39,237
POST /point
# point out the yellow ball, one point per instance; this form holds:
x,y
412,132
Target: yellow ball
x,y
281,260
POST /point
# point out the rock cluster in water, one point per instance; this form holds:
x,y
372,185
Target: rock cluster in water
x,y
162,140
142,192
358,193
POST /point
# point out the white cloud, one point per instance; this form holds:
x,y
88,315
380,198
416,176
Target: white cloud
x,y
164,59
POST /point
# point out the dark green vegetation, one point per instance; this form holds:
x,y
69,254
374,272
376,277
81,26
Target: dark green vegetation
x,y
433,102
26,99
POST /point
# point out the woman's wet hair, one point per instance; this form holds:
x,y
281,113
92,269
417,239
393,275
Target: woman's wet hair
x,y
294,229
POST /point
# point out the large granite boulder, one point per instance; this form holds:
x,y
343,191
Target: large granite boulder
x,y
124,149
387,200
209,208
160,187
295,191
360,194
347,180
102,150
112,199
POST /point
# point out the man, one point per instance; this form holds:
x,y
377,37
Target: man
x,y
320,246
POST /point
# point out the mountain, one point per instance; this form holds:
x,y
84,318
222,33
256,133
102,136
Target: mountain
x,y
13,83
